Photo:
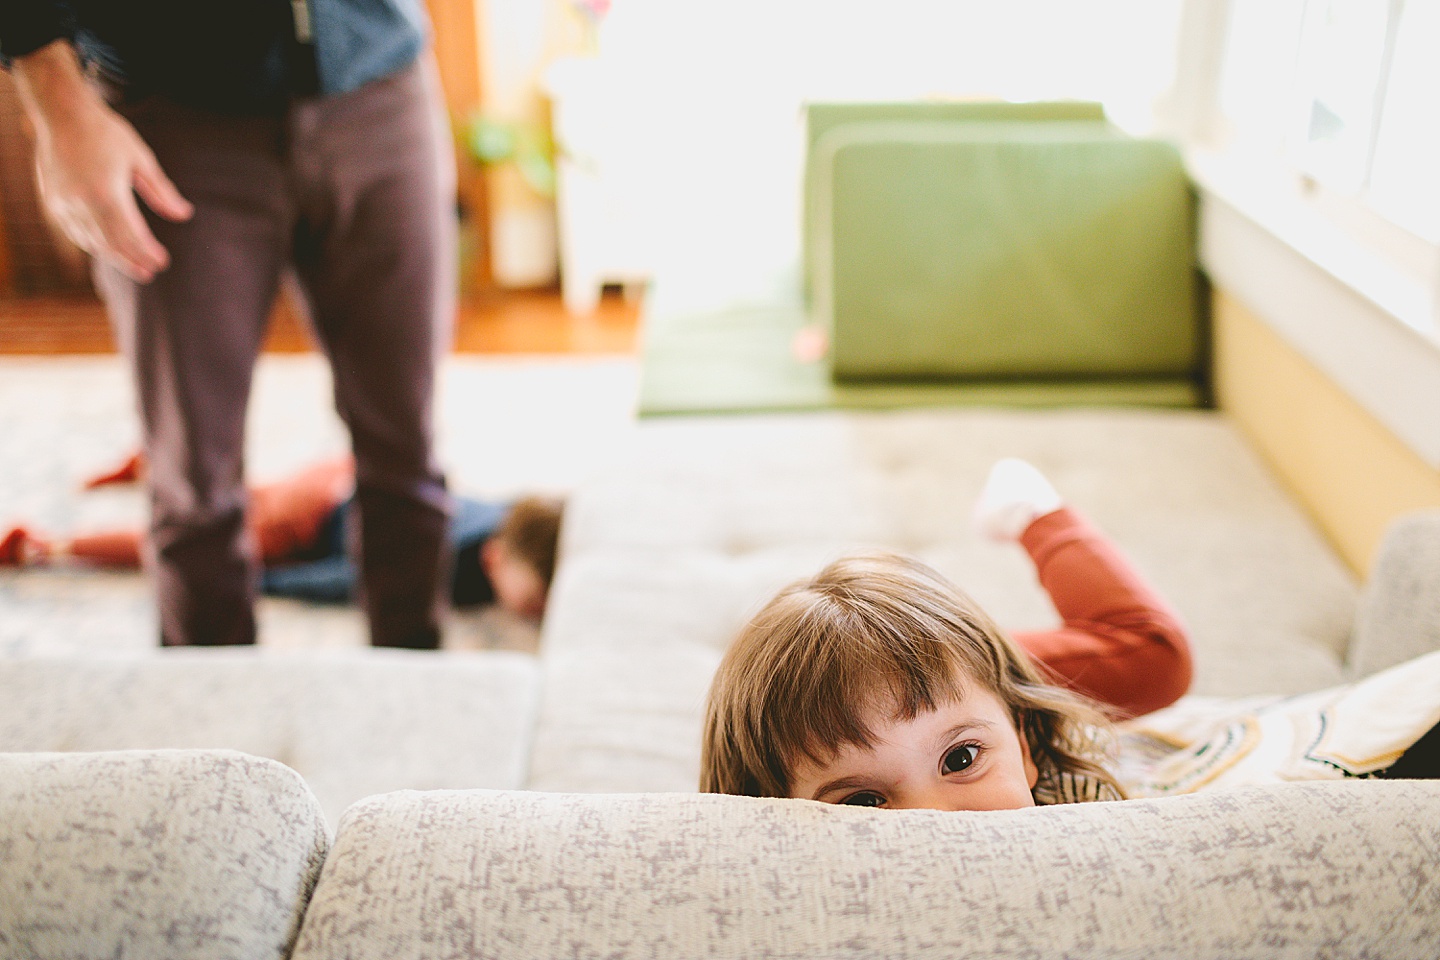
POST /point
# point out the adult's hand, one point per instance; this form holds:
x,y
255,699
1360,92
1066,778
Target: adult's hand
x,y
90,165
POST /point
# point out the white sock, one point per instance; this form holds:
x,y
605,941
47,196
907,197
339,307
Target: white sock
x,y
1014,496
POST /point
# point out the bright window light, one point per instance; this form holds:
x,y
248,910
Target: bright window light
x,y
1341,93
1343,55
1257,85
1405,174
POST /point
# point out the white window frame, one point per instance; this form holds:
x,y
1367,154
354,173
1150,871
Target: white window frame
x,y
1350,292
1222,159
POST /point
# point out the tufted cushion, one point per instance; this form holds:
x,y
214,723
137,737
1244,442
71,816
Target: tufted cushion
x,y
156,854
1337,869
352,722
701,520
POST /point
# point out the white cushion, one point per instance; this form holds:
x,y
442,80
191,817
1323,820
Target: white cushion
x,y
1334,869
154,854
701,520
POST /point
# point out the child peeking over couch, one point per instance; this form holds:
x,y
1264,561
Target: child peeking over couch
x,y
503,553
879,683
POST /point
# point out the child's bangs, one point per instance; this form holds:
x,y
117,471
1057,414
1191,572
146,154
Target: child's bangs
x,y
868,672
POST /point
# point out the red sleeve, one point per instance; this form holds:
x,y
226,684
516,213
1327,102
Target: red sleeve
x,y
285,516
1120,643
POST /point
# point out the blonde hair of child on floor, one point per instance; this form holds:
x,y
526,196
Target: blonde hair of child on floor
x,y
878,650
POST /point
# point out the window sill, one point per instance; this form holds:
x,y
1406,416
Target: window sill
x,y
1276,203
1362,318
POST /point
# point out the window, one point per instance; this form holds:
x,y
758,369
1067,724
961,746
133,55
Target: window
x,y
1344,93
1404,178
1340,76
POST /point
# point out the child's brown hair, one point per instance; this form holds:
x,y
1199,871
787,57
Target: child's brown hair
x,y
867,631
531,532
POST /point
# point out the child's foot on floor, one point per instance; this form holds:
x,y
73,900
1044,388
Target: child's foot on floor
x,y
1015,495
128,471
21,548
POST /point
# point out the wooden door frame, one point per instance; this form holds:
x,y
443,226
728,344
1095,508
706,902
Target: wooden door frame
x,y
457,46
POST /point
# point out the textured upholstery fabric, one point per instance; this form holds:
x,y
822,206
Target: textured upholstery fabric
x,y
1399,614
352,723
699,522
1257,873
165,854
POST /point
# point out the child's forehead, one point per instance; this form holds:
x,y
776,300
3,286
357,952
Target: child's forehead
x,y
887,705
892,699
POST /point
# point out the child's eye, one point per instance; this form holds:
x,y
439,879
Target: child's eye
x,y
865,798
959,758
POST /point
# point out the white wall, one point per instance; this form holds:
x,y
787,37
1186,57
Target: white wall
x,y
699,124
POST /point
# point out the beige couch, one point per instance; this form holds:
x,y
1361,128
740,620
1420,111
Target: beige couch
x,y
588,839
352,722
212,854
692,527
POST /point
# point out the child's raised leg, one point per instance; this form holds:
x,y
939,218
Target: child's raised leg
x,y
1121,643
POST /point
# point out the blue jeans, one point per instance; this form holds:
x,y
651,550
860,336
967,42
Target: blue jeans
x,y
331,576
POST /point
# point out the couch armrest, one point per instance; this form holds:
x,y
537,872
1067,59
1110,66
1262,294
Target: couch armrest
x,y
1399,614
1299,870
163,853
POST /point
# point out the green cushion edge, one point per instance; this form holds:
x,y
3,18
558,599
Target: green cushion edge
x,y
739,361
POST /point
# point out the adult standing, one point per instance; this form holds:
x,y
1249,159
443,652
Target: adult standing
x,y
200,151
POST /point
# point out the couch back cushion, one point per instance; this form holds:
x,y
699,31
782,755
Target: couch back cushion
x,y
169,853
1293,871
351,722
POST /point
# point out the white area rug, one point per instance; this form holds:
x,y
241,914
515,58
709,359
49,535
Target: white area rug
x,y
507,426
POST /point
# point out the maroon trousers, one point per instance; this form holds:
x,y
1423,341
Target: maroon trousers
x,y
353,196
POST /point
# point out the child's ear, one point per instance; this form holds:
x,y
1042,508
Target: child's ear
x,y
1032,772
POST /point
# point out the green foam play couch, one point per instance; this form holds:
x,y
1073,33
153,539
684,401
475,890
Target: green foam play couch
x,y
967,252
1002,249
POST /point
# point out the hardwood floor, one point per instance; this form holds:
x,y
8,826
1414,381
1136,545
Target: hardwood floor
x,y
537,322
522,321
53,325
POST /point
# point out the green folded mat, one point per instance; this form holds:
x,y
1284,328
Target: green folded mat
x,y
1002,250
960,253
821,118
739,360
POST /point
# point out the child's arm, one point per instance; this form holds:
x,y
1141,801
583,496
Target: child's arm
x,y
1121,643
23,547
107,548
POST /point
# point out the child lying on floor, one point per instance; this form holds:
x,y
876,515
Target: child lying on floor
x,y
879,683
503,552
